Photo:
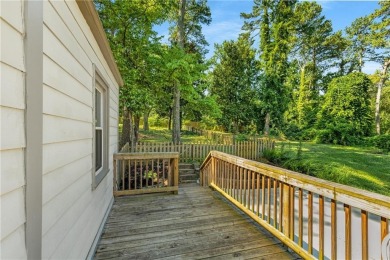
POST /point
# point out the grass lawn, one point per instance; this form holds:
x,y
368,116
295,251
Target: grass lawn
x,y
359,167
164,135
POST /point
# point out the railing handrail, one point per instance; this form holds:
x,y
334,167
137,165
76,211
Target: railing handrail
x,y
147,155
260,189
342,193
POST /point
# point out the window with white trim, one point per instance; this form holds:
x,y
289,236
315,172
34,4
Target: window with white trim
x,y
101,130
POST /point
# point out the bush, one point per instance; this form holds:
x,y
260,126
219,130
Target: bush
x,y
382,142
341,133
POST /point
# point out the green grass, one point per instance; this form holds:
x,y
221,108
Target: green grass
x,y
156,134
359,167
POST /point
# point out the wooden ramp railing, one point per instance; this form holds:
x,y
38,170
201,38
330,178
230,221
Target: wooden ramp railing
x,y
252,150
314,217
140,173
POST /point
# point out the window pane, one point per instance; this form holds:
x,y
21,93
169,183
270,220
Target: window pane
x,y
98,108
98,149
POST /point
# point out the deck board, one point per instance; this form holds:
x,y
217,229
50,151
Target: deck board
x,y
195,224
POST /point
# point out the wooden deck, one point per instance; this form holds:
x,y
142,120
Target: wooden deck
x,y
196,224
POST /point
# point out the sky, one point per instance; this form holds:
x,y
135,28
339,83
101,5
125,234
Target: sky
x,y
226,22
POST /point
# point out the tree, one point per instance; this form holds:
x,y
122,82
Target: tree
x,y
187,35
235,77
315,46
129,29
371,39
346,110
272,20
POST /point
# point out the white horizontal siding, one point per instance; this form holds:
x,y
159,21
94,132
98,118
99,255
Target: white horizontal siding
x,y
57,181
89,205
12,170
62,105
58,78
13,246
58,155
12,128
72,211
12,13
60,129
12,87
53,48
12,50
12,212
62,203
12,137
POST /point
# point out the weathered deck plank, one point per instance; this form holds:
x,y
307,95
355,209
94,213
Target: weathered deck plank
x,y
196,224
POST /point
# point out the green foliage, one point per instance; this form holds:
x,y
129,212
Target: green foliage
x,y
346,114
272,21
385,109
382,142
234,81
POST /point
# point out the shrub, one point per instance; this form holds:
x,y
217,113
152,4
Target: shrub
x,y
382,142
346,115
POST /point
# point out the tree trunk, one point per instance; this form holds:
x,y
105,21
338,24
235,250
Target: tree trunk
x,y
176,92
266,125
176,116
131,125
170,119
381,83
125,138
136,128
146,121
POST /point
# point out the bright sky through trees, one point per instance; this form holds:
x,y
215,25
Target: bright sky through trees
x,y
226,23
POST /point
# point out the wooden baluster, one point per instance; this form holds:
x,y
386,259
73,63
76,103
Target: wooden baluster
x,y
384,229
280,207
141,175
347,211
364,220
333,223
263,197
292,211
123,174
147,173
286,209
269,199
248,205
253,191
245,182
276,184
115,173
163,172
258,193
300,218
129,175
321,227
241,181
310,223
231,179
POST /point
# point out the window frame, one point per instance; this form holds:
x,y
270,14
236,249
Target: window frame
x,y
101,85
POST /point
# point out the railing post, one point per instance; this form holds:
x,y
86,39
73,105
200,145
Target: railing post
x,y
176,173
212,177
286,209
114,173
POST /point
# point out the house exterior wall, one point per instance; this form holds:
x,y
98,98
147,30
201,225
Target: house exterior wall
x,y
72,210
12,142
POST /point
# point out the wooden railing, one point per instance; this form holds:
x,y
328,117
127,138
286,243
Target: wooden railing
x,y
140,173
314,217
252,150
